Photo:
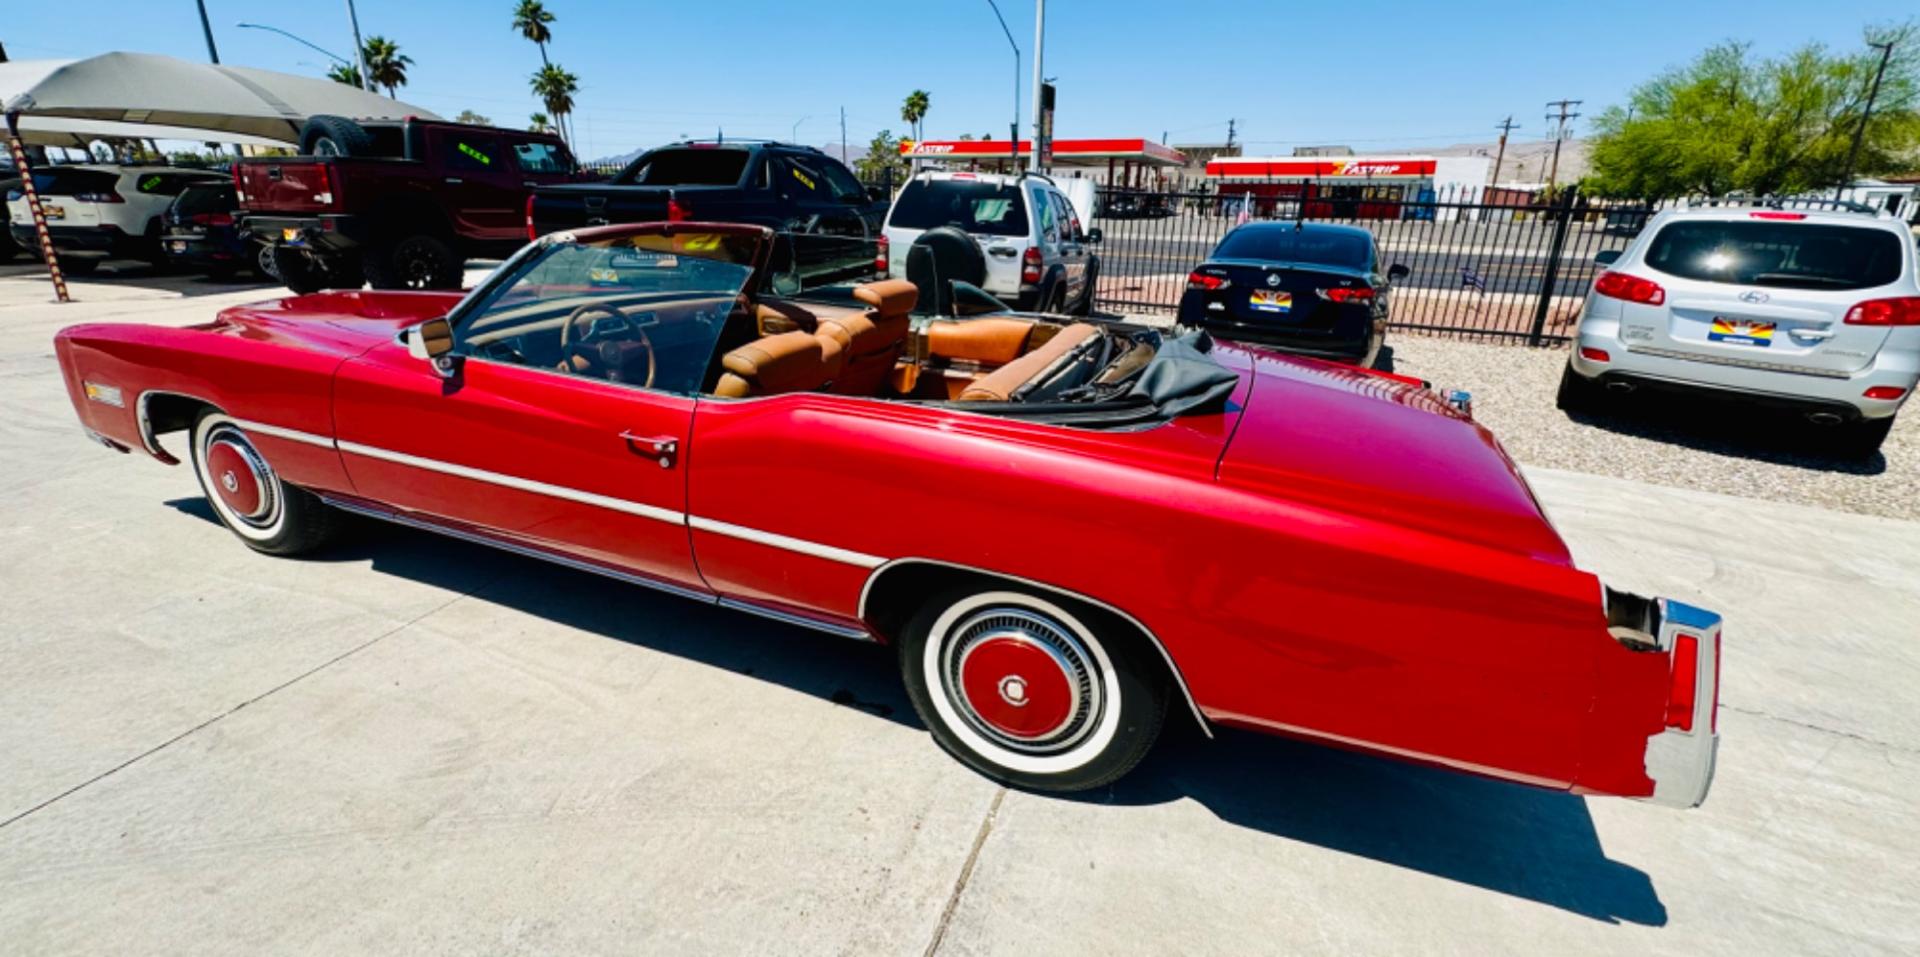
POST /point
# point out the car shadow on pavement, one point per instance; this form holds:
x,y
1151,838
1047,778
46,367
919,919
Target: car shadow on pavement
x,y
1532,844
1725,428
131,274
1529,843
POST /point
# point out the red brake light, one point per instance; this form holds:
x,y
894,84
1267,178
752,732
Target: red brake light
x,y
1200,280
531,235
1591,354
210,219
882,253
1686,680
1030,265
1901,311
1775,214
1363,294
1619,285
1884,392
677,213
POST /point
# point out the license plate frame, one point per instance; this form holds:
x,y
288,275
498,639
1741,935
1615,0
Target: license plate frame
x,y
1270,300
1753,333
52,211
291,236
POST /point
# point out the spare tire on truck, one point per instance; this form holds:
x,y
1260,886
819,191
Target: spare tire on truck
x,y
326,135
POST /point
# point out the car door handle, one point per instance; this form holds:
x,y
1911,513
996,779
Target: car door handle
x,y
663,448
1816,335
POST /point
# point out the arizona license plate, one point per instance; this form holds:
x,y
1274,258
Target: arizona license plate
x,y
53,212
1271,300
292,237
178,246
1741,331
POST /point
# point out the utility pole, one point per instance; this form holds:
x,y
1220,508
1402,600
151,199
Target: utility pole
x,y
1860,132
1229,138
1559,135
1504,126
359,49
1039,51
207,28
843,135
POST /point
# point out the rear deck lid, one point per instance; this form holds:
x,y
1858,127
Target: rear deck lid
x,y
1769,292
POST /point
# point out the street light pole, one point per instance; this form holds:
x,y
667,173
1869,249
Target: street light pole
x,y
359,49
1015,148
207,28
1039,51
793,136
1860,132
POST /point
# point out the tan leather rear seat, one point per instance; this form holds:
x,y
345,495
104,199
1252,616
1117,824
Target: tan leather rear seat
x,y
988,340
1000,384
872,339
788,362
809,348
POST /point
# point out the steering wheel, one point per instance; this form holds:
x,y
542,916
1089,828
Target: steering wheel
x,y
605,356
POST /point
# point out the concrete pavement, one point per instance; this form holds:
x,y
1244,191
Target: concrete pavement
x,y
411,745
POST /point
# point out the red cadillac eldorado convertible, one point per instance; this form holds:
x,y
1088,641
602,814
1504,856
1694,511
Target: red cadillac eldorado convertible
x,y
1066,527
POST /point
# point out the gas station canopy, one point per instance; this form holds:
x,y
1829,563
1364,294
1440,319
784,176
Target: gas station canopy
x,y
1091,152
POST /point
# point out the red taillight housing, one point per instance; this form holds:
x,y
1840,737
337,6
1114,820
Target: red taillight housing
x,y
1591,354
1900,311
677,213
1030,265
1883,392
107,197
1619,285
1200,280
211,219
882,256
531,235
1343,294
1686,682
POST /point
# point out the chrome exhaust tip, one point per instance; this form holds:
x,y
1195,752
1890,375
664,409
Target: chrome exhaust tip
x,y
1824,418
1619,386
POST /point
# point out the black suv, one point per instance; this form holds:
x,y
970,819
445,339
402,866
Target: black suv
x,y
798,190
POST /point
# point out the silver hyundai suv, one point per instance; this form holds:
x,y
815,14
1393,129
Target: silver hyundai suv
x,y
1815,310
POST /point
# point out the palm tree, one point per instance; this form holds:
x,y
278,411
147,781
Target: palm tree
x,y
555,87
346,73
386,65
539,123
531,19
914,110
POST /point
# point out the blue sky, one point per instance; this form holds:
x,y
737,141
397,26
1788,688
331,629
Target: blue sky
x,y
1373,75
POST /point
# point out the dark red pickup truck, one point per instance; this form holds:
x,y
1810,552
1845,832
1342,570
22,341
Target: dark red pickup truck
x,y
399,205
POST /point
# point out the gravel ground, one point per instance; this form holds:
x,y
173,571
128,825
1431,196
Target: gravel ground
x,y
1706,445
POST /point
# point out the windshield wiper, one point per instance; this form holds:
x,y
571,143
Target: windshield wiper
x,y
1791,278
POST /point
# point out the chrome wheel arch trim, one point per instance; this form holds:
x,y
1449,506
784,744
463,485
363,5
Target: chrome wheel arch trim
x,y
1179,678
151,442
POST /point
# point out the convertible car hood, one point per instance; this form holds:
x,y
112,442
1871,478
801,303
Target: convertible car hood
x,y
347,322
1334,436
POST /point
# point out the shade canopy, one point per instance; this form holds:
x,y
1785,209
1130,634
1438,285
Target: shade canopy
x,y
199,101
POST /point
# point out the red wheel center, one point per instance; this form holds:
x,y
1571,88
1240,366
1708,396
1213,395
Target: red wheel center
x,y
233,477
1017,687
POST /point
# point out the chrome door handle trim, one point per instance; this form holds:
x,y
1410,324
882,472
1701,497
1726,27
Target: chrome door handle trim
x,y
663,448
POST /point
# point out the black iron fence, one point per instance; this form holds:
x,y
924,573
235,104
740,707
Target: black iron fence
x,y
1488,264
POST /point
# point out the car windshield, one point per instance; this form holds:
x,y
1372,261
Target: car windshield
x,y
645,309
971,205
73,182
205,198
687,166
1788,254
1284,243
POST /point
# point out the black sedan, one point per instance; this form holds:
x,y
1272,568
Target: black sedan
x,y
201,234
1315,289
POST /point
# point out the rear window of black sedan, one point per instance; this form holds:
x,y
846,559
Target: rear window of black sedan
x,y
1281,242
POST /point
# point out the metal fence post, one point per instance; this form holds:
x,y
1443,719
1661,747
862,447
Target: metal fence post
x,y
1551,278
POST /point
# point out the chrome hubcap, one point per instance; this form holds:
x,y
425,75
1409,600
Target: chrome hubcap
x,y
1022,679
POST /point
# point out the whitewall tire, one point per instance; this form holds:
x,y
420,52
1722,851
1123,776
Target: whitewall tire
x,y
247,495
1022,688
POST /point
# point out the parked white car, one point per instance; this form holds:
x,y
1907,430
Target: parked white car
x,y
1814,310
97,212
1037,248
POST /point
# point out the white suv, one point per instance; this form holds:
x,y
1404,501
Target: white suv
x,y
1036,248
1815,310
97,212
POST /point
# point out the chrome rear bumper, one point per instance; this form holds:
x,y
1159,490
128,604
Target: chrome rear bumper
x,y
1679,759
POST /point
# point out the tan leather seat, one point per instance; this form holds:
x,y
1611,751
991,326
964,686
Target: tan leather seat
x,y
788,362
1000,384
872,340
988,340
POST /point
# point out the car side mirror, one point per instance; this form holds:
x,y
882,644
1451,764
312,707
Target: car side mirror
x,y
1607,257
1397,272
432,341
1093,235
877,194
971,300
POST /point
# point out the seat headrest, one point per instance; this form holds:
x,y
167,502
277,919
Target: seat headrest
x,y
889,297
778,317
